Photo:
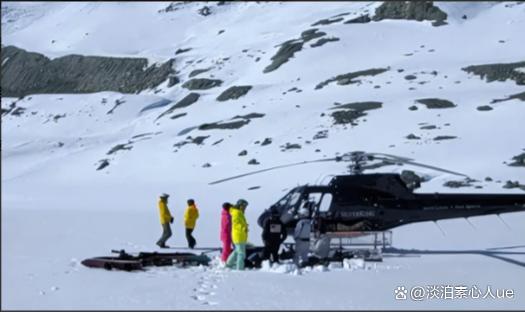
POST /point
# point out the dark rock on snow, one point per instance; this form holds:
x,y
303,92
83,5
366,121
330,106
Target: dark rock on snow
x,y
103,164
184,102
410,10
519,160
253,162
514,184
484,108
225,125
233,93
351,78
266,141
359,20
499,72
119,147
32,73
198,71
444,137
322,41
517,96
412,136
290,47
352,111
327,21
201,84
290,146
179,51
433,103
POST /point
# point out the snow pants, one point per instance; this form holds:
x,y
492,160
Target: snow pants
x,y
302,248
166,233
271,250
189,237
236,259
226,250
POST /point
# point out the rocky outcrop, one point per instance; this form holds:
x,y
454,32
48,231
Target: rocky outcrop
x,y
433,103
224,125
26,73
351,78
198,71
288,48
411,10
484,108
184,102
349,113
499,72
322,41
327,21
363,19
233,93
519,160
518,96
514,184
201,84
444,137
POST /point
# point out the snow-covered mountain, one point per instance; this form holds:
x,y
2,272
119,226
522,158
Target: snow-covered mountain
x,y
245,86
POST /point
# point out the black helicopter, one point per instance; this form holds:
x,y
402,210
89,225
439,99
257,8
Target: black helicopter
x,y
379,201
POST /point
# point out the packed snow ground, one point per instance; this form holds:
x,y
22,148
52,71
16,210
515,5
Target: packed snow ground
x,y
57,209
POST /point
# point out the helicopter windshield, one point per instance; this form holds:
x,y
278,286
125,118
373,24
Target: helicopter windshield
x,y
290,199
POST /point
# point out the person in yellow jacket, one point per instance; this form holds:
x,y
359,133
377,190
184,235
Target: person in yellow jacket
x,y
190,218
165,220
239,235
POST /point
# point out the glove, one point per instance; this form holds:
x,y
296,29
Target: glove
x,y
171,221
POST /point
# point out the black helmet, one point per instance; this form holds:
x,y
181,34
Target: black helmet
x,y
191,202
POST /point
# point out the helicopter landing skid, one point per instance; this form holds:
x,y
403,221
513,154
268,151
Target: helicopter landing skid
x,y
336,246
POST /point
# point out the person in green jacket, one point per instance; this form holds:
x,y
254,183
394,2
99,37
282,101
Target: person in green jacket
x,y
165,220
239,235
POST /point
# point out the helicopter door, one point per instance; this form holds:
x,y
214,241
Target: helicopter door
x,y
290,207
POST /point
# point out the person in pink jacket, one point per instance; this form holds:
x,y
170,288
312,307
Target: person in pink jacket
x,y
226,232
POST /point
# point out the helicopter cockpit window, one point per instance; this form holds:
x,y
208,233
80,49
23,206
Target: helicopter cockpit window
x,y
314,199
293,200
309,204
325,202
284,200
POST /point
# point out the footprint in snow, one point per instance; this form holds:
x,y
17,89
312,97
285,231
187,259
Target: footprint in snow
x,y
199,297
205,283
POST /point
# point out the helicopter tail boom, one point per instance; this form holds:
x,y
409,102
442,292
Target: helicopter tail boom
x,y
433,207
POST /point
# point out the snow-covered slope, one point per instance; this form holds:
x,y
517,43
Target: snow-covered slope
x,y
58,209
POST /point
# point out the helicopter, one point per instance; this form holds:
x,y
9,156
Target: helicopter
x,y
377,201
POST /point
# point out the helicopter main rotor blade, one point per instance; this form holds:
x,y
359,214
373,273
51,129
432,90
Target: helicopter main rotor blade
x,y
392,156
424,166
436,168
271,168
